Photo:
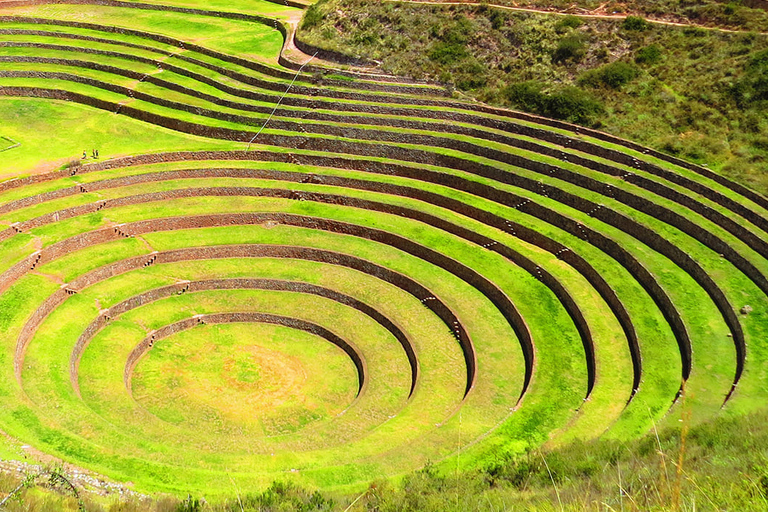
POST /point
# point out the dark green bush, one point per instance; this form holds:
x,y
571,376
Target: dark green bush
x,y
613,75
570,48
568,22
569,104
526,95
648,55
635,23
574,105
447,53
498,18
752,89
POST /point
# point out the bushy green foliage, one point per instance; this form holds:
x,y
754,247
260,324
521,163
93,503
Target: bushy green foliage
x,y
570,48
447,53
569,103
614,75
568,22
648,54
752,89
451,40
635,23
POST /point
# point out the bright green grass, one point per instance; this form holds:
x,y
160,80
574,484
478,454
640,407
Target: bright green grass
x,y
384,396
491,233
235,37
281,378
80,128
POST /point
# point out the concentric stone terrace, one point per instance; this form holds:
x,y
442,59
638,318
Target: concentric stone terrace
x,y
380,276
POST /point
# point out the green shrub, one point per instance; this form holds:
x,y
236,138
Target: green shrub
x,y
472,76
569,104
568,22
613,75
752,89
574,105
526,95
648,55
498,18
635,23
448,53
570,48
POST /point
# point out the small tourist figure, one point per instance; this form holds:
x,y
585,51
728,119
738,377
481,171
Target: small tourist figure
x,y
97,153
85,154
93,153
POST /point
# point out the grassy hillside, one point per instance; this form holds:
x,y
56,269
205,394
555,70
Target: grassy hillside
x,y
695,93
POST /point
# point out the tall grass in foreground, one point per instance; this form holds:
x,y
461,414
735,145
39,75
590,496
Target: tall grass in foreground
x,y
718,465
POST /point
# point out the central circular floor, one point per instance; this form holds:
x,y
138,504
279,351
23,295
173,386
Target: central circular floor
x,y
261,377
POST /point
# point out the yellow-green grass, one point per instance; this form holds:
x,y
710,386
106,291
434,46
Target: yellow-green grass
x,y
275,228
701,300
104,391
153,244
256,376
233,182
79,128
238,37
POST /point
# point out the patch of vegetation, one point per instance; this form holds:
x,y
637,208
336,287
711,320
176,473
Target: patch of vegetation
x,y
649,55
635,23
313,16
568,22
691,92
613,75
569,103
570,49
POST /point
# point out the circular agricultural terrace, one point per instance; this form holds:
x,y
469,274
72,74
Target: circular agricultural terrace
x,y
378,278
